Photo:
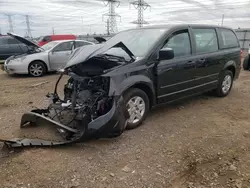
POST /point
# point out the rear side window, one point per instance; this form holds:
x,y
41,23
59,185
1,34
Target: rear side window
x,y
80,43
229,39
13,41
4,41
205,40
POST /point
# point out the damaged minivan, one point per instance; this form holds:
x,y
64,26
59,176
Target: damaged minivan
x,y
113,85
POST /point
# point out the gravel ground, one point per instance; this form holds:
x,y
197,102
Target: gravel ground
x,y
201,142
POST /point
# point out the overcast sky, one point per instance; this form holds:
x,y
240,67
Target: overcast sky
x,y
85,16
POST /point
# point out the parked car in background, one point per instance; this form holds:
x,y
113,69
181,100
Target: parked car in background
x,y
9,46
48,38
39,60
246,62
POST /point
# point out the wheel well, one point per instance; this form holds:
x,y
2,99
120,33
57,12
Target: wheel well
x,y
147,90
232,69
41,62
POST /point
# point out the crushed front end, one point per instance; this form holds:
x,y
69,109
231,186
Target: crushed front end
x,y
87,111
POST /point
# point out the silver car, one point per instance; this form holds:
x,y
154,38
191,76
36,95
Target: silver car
x,y
40,60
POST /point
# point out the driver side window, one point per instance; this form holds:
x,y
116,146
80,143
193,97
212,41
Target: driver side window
x,y
180,43
65,46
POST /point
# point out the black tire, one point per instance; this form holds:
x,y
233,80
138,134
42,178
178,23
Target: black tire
x,y
130,94
219,91
41,67
246,63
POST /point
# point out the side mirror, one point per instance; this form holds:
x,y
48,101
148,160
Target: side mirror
x,y
166,54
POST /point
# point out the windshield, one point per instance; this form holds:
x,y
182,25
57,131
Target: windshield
x,y
139,41
50,45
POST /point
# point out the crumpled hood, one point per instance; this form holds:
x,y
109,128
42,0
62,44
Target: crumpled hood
x,y
85,53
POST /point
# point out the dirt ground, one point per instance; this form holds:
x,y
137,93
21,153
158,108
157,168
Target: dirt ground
x,y
198,143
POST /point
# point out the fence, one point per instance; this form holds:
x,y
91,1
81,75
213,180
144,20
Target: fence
x,y
244,38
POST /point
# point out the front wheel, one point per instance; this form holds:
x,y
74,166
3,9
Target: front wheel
x,y
137,104
37,69
225,83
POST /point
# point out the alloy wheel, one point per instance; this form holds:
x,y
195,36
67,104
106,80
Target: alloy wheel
x,y
136,108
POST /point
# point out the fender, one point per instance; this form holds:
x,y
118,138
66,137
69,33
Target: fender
x,y
118,88
228,64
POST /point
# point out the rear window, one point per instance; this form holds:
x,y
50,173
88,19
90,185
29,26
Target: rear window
x,y
229,39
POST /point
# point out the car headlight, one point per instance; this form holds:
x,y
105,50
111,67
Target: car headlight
x,y
18,59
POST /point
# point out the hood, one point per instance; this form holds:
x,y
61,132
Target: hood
x,y
23,40
83,54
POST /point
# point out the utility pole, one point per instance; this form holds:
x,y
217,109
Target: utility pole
x,y
111,23
108,27
28,26
222,21
11,30
140,5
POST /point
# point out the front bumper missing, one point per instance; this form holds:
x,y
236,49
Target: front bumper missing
x,y
112,124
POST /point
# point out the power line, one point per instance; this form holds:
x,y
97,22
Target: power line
x,y
111,23
140,5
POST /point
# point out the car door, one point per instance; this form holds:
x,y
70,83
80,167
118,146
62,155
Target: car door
x,y
175,78
59,55
208,58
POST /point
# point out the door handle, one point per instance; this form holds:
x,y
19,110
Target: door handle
x,y
201,63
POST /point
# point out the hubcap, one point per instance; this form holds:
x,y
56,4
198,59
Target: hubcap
x,y
226,84
36,69
136,109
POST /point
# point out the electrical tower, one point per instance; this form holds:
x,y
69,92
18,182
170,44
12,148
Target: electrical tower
x,y
140,5
11,30
28,26
111,15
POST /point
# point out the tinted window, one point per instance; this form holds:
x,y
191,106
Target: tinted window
x,y
180,43
13,41
65,46
206,40
79,44
4,40
46,39
228,38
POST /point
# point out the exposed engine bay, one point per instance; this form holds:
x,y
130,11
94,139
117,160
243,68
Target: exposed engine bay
x,y
86,112
91,107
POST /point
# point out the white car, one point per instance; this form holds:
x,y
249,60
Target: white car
x,y
40,60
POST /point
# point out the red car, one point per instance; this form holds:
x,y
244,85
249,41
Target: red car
x,y
49,38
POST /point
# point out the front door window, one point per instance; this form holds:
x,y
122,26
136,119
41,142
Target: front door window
x,y
180,43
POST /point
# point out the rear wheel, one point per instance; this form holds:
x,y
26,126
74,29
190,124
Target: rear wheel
x,y
137,104
37,69
246,63
225,83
